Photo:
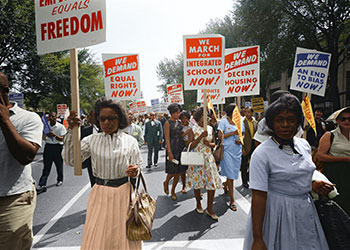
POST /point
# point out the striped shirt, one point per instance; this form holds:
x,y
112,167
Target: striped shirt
x,y
110,154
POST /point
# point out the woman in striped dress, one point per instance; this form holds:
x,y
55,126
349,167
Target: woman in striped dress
x,y
115,158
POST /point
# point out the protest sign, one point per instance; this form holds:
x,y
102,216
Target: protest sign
x,y
155,105
258,104
61,109
242,71
63,25
203,61
18,98
236,118
310,71
175,93
216,96
141,106
133,108
122,76
308,113
164,107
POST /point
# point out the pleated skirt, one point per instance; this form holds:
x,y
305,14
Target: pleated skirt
x,y
105,224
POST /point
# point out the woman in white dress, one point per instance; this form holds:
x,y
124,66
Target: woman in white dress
x,y
115,158
283,216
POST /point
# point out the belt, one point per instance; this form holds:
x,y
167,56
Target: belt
x,y
115,182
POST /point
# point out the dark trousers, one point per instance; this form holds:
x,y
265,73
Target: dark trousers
x,y
244,168
52,153
151,147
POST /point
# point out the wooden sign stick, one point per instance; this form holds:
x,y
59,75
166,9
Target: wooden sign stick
x,y
74,83
205,109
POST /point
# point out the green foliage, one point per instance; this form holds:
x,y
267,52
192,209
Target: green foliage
x,y
44,79
279,26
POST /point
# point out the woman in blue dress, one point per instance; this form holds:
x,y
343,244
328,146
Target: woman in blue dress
x,y
283,215
231,162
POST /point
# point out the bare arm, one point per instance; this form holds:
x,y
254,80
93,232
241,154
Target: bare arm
x,y
258,215
167,140
323,148
22,150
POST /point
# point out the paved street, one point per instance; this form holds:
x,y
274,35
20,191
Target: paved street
x,y
60,214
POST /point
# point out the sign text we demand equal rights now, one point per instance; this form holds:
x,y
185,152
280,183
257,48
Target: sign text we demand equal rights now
x,y
310,72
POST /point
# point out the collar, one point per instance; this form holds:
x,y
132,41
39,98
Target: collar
x,y
118,134
14,109
284,144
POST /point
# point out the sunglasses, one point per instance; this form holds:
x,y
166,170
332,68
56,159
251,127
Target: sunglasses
x,y
109,118
342,119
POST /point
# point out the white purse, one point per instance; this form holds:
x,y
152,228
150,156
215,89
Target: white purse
x,y
192,158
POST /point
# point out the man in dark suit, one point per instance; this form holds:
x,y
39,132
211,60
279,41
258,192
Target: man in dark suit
x,y
153,138
86,130
248,147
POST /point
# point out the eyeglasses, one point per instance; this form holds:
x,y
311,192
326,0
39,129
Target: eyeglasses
x,y
109,118
342,119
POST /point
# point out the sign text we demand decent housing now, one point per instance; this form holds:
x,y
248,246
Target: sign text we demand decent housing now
x,y
203,61
122,76
310,71
62,25
242,70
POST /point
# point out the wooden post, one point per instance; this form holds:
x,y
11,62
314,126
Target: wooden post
x,y
305,121
239,103
205,111
74,83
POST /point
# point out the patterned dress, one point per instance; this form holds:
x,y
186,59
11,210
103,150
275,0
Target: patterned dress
x,y
207,176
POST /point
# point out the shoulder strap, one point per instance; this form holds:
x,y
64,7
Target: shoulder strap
x,y
331,139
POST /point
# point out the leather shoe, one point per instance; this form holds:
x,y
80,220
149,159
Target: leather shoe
x,y
200,211
213,216
148,166
41,189
59,183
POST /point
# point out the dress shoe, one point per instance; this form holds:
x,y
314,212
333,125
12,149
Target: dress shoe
x,y
213,216
199,210
173,197
148,166
59,183
41,189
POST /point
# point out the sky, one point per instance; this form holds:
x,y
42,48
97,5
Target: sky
x,y
154,29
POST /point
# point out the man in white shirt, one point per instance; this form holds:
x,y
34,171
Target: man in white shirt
x,y
20,139
52,152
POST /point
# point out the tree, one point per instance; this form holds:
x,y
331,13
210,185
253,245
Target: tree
x,y
44,79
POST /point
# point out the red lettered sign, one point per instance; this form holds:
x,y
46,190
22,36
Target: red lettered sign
x,y
242,71
63,25
204,61
122,76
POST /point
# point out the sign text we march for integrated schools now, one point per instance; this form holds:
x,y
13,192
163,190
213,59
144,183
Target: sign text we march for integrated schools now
x,y
69,24
122,76
242,71
204,63
310,71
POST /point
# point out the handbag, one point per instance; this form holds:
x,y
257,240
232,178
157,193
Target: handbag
x,y
335,223
141,213
192,158
219,150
